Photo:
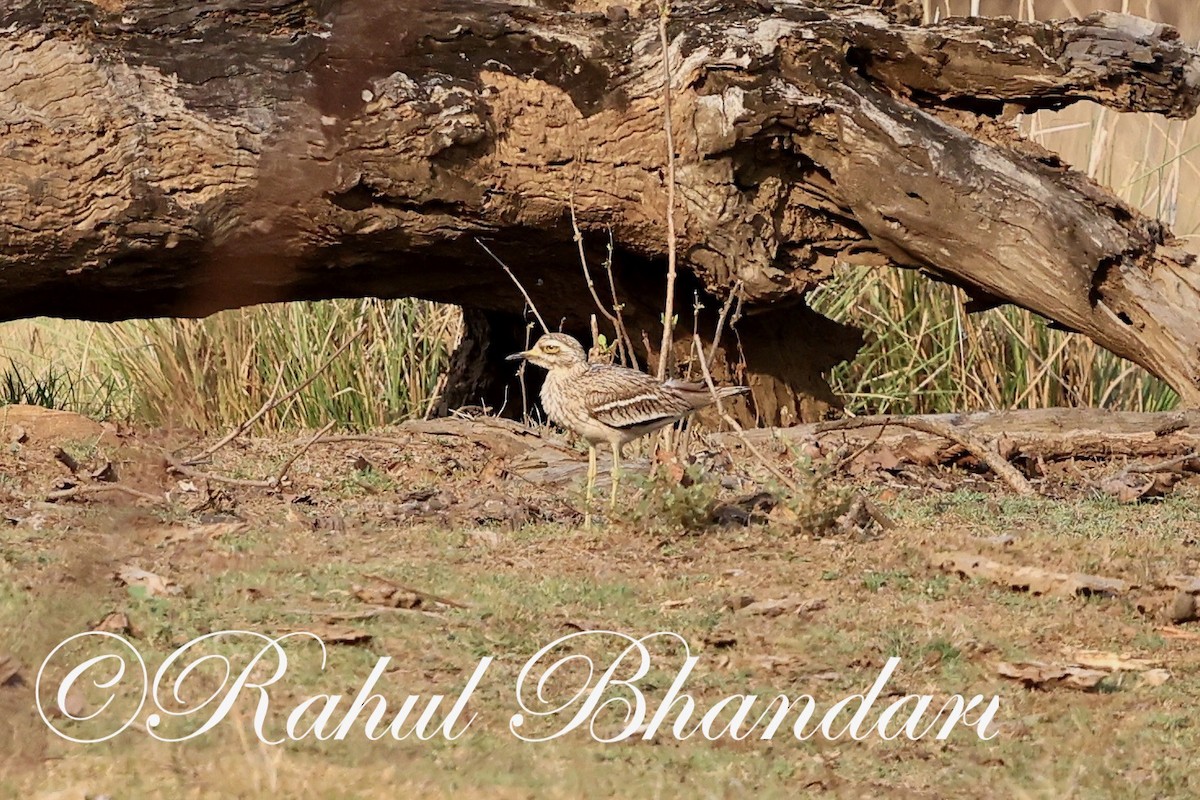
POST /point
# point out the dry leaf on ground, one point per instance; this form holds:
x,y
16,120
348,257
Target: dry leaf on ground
x,y
383,591
153,585
1031,579
334,634
1083,669
793,604
1099,659
1038,675
1130,487
378,594
114,622
10,671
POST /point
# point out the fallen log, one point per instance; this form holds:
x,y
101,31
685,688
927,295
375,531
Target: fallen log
x,y
1051,434
159,158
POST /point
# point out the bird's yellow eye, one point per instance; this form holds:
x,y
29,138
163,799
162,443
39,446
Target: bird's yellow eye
x,y
550,348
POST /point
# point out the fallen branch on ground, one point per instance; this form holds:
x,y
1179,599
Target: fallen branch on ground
x,y
996,462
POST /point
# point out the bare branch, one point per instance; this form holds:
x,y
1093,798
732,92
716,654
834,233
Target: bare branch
x,y
513,277
669,304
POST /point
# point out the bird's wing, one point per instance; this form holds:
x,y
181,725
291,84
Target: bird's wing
x,y
625,398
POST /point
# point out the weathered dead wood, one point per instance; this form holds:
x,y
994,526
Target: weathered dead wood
x,y
165,158
1047,434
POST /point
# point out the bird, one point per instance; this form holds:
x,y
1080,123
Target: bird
x,y
605,403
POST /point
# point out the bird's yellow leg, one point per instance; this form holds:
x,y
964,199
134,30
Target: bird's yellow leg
x,y
616,467
591,485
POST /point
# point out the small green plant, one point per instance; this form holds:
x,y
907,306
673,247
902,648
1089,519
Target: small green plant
x,y
813,501
874,581
666,504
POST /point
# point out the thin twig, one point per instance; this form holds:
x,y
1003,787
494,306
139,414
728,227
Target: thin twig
x,y
587,276
367,612
191,472
996,462
850,458
1161,466
513,277
274,402
735,294
669,303
622,331
521,380
283,471
245,425
733,423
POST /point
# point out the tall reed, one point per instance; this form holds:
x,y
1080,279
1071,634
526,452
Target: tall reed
x,y
210,374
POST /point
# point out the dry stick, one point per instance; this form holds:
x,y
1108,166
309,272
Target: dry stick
x,y
882,519
733,423
245,425
521,379
436,397
274,403
697,307
996,462
725,308
190,472
595,337
850,458
563,503
283,471
74,491
669,304
66,459
536,313
513,277
367,612
876,513
1160,466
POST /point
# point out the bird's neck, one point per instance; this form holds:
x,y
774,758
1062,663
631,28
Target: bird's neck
x,y
568,372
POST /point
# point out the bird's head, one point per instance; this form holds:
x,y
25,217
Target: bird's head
x,y
554,351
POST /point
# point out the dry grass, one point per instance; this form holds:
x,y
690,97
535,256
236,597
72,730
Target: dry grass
x,y
210,374
525,586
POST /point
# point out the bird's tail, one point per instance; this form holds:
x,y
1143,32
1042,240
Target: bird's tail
x,y
700,396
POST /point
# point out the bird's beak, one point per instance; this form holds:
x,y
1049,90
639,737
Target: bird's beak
x,y
517,356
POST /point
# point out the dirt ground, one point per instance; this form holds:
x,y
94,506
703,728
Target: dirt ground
x,y
438,547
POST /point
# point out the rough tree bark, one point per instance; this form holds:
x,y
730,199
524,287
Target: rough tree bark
x,y
159,160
